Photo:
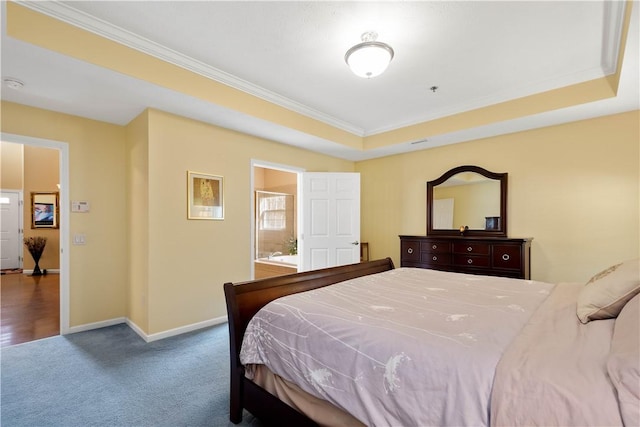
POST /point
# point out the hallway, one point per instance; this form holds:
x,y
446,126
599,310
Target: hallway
x,y
30,307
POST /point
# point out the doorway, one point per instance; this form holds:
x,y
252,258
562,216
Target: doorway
x,y
58,292
327,220
275,220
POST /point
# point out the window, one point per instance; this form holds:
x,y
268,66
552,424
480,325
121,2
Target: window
x,y
273,212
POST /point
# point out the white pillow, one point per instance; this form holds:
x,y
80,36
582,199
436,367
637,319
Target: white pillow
x,y
623,363
608,291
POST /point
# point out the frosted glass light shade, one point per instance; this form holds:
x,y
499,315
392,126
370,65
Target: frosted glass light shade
x,y
369,59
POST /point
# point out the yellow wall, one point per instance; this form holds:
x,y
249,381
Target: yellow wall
x,y
33,169
97,174
189,260
137,191
49,33
41,174
11,162
574,188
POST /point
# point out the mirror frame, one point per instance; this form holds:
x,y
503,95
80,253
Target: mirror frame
x,y
56,209
501,231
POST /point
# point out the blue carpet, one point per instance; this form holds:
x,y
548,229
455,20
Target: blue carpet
x,y
112,377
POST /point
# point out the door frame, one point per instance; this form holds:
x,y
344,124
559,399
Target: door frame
x,y
63,164
255,163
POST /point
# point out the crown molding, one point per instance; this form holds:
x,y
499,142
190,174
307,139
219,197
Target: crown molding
x,y
77,18
614,12
613,21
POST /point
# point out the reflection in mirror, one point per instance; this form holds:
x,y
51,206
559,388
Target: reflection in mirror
x,y
467,200
44,210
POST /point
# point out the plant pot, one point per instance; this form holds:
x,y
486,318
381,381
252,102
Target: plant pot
x,y
36,270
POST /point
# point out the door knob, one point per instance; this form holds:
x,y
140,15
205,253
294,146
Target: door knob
x,y
356,243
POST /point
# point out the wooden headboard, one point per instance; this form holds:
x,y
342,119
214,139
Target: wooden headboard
x,y
244,299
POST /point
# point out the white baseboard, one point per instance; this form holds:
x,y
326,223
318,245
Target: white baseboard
x,y
96,325
177,331
152,337
49,271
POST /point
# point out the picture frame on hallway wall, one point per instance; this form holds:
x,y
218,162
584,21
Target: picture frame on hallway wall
x,y
45,210
205,196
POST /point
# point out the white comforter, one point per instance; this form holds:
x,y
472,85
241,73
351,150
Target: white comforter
x,y
407,347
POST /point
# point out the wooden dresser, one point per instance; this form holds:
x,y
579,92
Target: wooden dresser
x,y
492,256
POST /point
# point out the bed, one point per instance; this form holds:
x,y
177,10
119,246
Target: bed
x,y
367,344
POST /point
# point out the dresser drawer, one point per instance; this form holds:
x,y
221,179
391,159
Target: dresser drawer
x,y
471,248
410,250
436,247
471,261
436,258
507,257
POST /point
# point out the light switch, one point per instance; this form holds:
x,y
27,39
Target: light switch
x,y
79,239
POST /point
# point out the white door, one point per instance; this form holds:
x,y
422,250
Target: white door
x,y
331,220
11,245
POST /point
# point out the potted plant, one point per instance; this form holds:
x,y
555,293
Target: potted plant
x,y
292,245
36,247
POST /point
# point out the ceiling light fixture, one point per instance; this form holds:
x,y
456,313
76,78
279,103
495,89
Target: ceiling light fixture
x,y
12,83
369,58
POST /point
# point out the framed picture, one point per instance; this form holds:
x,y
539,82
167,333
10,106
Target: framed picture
x,y
205,196
44,210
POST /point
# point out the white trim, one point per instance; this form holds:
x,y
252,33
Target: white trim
x,y
148,338
65,265
612,35
96,325
612,30
119,35
49,271
176,331
138,330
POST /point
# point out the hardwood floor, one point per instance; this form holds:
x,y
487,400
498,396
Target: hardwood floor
x,y
30,307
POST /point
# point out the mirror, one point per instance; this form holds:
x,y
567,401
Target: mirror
x,y
44,210
467,200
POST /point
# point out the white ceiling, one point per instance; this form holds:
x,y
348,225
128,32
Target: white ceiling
x,y
292,54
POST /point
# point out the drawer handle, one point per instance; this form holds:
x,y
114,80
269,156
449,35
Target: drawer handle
x,y
505,257
435,258
469,261
410,251
434,247
469,249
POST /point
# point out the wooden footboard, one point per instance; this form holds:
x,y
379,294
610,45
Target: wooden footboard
x,y
244,299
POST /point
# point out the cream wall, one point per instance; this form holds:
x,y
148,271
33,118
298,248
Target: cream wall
x,y
189,260
11,161
41,174
52,34
32,169
574,188
143,259
137,191
98,279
